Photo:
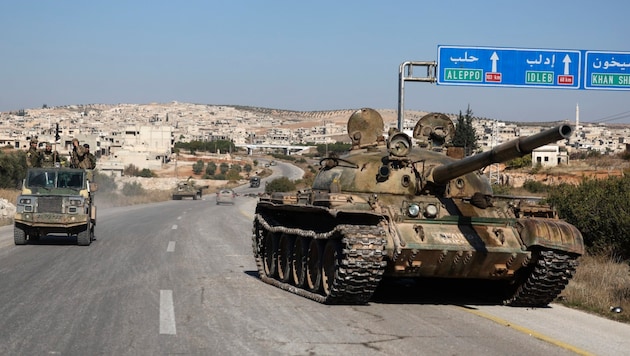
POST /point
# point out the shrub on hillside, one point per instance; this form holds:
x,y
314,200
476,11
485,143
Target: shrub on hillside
x,y
106,183
147,173
600,209
12,168
131,189
534,186
282,184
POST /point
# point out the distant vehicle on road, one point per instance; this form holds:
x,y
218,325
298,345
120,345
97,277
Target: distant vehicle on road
x,y
254,182
56,200
225,196
188,189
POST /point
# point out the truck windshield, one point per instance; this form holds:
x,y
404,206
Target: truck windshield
x,y
55,179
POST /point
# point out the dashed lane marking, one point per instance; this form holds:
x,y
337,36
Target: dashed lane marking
x,y
171,246
167,313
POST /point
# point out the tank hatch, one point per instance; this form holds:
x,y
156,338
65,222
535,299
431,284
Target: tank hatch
x,y
434,130
365,128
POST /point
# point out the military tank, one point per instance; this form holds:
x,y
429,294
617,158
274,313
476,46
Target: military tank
x,y
188,189
395,208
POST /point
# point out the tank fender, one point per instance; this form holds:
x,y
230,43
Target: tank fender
x,y
554,234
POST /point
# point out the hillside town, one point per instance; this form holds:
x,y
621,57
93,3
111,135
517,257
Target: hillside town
x,y
144,134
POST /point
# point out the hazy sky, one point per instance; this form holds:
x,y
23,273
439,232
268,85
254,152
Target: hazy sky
x,y
296,55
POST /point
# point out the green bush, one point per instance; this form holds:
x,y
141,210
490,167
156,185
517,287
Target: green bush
x,y
499,189
534,186
146,173
600,210
131,170
131,189
106,183
282,184
233,174
198,167
12,168
211,168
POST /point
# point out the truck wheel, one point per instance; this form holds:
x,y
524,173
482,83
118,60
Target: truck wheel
x,y
19,235
84,237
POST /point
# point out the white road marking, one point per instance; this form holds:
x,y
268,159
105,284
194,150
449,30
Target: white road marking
x,y
171,246
167,313
179,218
174,227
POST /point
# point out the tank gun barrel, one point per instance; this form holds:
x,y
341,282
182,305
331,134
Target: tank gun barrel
x,y
512,149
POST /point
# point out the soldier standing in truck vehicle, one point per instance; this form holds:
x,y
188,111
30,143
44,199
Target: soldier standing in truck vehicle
x,y
49,158
90,159
33,156
77,156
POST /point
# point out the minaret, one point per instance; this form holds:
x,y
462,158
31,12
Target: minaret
x,y
577,117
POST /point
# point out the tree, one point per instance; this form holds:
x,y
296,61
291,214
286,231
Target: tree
x,y
198,167
211,168
224,167
233,174
465,135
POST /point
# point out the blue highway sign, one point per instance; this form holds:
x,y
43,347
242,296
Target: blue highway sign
x,y
511,67
607,70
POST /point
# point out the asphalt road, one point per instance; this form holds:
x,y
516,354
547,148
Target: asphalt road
x,y
179,277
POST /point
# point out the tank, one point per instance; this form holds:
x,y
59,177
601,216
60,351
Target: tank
x,y
188,189
402,207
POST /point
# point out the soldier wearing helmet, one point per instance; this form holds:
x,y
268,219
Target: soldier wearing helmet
x,y
49,158
33,156
90,160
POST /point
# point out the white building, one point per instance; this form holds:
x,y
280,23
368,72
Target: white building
x,y
549,156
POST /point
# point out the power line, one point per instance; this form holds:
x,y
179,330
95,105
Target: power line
x,y
619,116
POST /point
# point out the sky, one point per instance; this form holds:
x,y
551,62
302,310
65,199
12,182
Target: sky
x,y
295,55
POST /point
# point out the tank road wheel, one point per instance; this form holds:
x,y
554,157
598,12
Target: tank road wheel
x,y
19,235
331,261
298,261
84,237
314,266
270,253
285,254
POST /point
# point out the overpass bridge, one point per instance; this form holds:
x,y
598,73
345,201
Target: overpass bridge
x,y
288,149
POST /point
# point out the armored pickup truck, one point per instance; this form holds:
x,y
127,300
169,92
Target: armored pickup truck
x,y
56,200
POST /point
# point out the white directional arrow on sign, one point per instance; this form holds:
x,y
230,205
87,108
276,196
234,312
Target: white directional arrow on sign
x,y
566,62
494,58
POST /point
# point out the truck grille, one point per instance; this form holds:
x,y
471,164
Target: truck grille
x,y
49,204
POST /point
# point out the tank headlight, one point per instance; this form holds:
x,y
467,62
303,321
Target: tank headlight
x,y
431,211
25,201
413,210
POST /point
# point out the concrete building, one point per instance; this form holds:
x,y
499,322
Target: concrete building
x,y
549,156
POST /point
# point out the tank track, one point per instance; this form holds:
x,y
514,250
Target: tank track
x,y
361,266
549,275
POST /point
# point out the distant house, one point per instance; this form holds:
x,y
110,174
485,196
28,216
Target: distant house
x,y
549,156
